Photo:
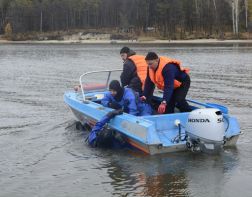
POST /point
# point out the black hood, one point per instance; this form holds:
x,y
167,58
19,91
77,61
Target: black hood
x,y
115,85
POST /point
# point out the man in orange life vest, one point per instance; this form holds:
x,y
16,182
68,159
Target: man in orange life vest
x,y
169,76
134,70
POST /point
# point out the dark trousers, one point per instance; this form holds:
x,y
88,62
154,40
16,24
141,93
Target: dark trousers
x,y
178,98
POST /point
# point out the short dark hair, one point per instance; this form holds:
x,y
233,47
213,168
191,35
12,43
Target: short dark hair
x,y
151,56
125,50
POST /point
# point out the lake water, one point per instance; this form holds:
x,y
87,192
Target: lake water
x,y
42,154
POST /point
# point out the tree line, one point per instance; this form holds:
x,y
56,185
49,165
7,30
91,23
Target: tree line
x,y
168,18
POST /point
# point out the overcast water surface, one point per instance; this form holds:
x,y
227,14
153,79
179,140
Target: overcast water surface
x,y
42,153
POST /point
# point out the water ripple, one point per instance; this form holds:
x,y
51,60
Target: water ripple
x,y
42,153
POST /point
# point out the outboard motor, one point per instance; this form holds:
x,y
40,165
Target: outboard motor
x,y
205,130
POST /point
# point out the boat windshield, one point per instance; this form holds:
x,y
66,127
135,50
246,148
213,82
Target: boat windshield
x,y
98,80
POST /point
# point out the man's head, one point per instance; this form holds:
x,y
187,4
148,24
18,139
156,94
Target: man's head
x,y
124,53
115,88
152,60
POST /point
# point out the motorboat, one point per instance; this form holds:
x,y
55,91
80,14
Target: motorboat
x,y
207,128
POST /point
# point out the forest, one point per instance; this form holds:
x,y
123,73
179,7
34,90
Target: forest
x,y
168,19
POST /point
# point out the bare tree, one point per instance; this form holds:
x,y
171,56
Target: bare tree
x,y
170,18
246,14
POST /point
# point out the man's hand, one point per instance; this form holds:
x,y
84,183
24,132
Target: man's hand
x,y
143,98
77,88
161,108
114,113
114,105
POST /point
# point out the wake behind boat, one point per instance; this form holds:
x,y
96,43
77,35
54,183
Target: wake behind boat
x,y
208,127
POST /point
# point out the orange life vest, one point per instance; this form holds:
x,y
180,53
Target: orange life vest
x,y
157,77
141,65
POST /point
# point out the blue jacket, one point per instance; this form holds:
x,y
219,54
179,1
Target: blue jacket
x,y
130,102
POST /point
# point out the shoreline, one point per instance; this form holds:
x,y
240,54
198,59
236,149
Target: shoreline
x,y
196,41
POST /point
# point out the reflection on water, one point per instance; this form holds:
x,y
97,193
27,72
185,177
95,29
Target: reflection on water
x,y
155,177
170,174
42,153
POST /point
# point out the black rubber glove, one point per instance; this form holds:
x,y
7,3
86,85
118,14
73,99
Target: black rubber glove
x,y
114,113
114,105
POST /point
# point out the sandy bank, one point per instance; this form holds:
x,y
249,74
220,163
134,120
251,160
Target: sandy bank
x,y
199,41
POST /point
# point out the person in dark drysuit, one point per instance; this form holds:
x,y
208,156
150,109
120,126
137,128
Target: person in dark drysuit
x,y
100,137
122,100
125,98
